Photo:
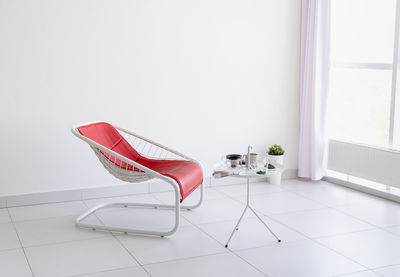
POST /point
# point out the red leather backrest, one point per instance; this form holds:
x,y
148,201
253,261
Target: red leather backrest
x,y
106,135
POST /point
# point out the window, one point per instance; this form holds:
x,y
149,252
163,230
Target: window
x,y
363,73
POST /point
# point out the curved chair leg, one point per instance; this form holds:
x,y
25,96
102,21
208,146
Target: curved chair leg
x,y
176,207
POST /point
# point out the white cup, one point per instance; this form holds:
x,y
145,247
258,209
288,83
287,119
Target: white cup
x,y
253,159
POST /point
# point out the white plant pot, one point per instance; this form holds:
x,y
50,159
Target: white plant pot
x,y
276,179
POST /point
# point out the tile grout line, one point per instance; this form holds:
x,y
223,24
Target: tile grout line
x,y
173,260
59,242
284,190
228,220
194,225
326,207
202,256
359,219
130,254
238,201
377,273
335,208
310,237
201,230
67,241
82,194
373,270
355,272
45,218
81,198
385,266
195,256
120,243
315,241
184,259
20,242
116,237
108,232
45,203
103,271
374,226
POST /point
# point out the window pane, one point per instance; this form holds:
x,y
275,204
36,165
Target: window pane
x,y
362,30
359,105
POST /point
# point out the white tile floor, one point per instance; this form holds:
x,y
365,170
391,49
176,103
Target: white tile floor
x,y
326,230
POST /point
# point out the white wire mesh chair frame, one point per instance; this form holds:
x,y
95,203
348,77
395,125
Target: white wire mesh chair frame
x,y
138,173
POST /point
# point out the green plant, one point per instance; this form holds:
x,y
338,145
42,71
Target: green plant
x,y
275,150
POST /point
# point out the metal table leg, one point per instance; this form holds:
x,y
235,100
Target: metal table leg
x,y
244,211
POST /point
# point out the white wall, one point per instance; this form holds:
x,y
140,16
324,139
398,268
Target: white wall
x,y
205,77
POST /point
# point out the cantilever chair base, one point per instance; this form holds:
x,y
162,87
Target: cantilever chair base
x,y
105,228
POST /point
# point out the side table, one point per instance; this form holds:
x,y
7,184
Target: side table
x,y
248,173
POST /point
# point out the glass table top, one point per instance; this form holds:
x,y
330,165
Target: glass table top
x,y
242,171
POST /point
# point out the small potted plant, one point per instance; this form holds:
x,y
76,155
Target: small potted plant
x,y
275,155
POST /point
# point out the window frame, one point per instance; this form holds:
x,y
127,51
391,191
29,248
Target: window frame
x,y
394,117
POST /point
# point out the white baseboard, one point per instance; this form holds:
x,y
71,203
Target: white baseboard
x,y
43,197
115,190
119,190
74,194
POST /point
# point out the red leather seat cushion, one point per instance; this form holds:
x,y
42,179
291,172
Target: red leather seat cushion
x,y
186,173
106,135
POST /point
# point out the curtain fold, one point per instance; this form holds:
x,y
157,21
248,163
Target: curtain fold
x,y
314,75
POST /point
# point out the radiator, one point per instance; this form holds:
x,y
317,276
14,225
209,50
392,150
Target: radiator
x,y
375,164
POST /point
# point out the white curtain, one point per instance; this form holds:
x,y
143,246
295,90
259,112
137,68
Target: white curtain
x,y
315,33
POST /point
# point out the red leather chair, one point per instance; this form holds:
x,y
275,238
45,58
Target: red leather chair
x,y
133,158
